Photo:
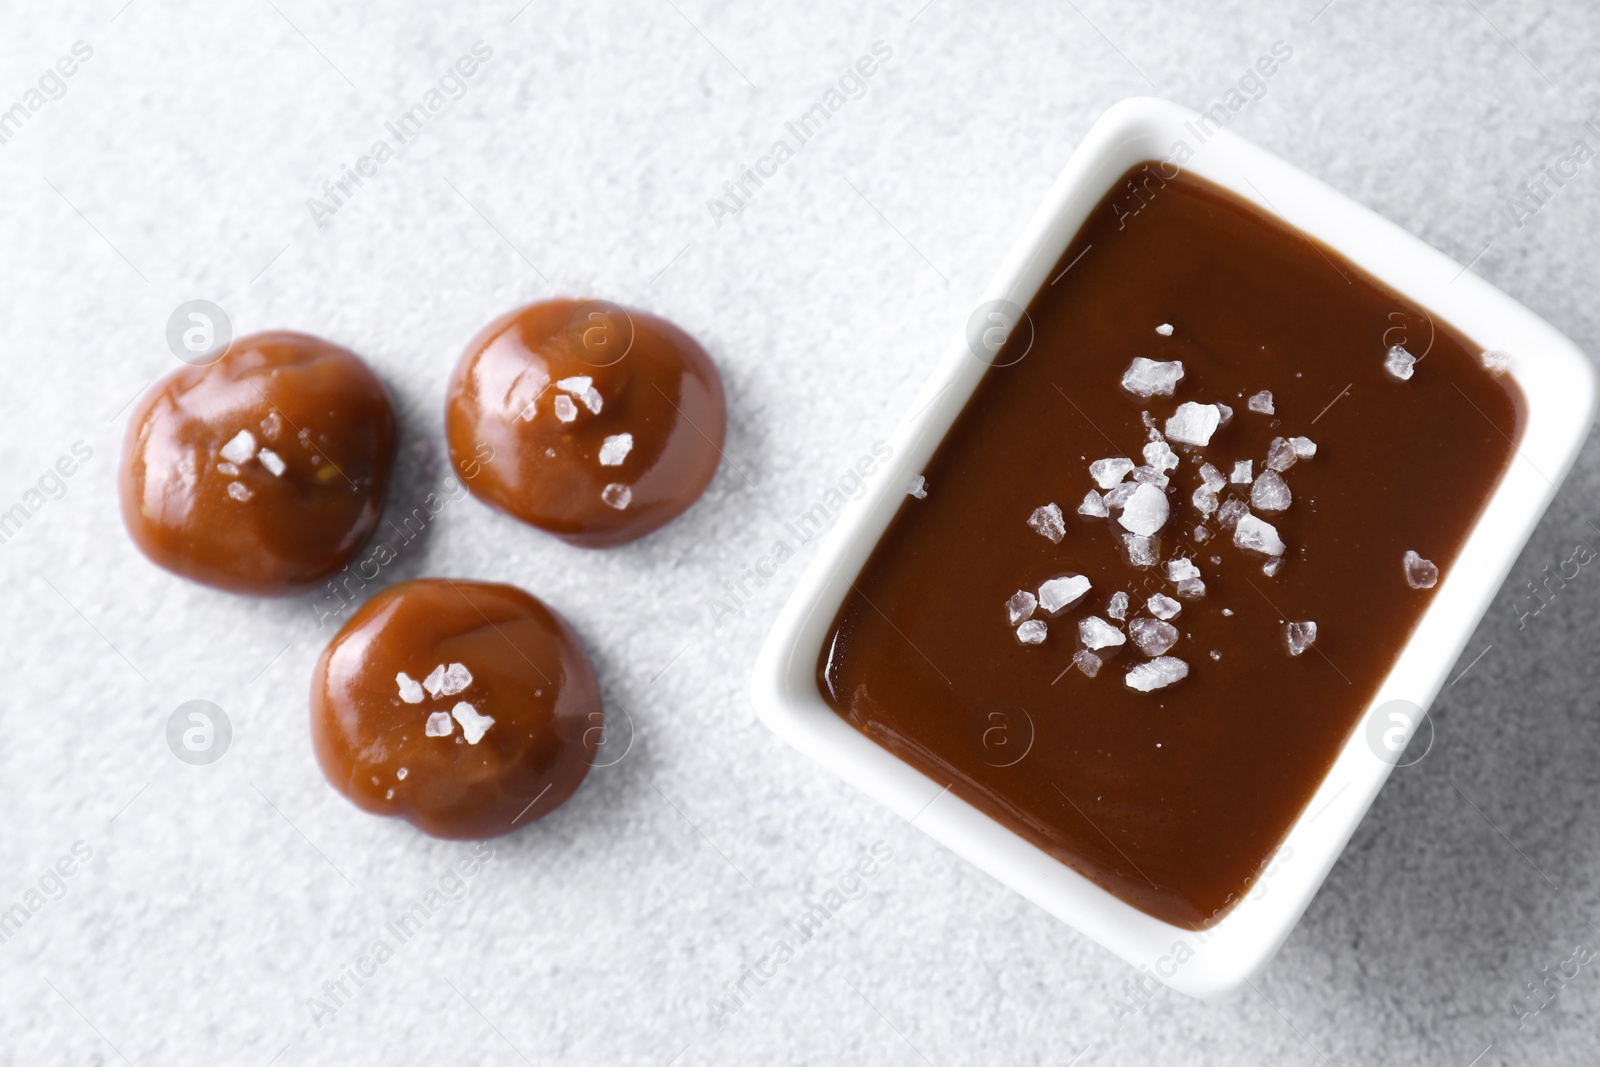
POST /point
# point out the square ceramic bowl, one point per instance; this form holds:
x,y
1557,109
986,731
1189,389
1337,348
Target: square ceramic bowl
x,y
1559,385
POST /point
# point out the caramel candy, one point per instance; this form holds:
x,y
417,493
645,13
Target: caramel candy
x,y
604,423
263,472
466,708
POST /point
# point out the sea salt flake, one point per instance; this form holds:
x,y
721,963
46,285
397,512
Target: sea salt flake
x,y
1181,568
1108,472
1299,636
1270,493
473,725
1152,636
240,449
1255,535
1212,478
1270,567
1093,506
1160,455
1191,589
1020,606
1165,329
1032,632
1087,662
566,410
1496,363
439,725
1163,607
1231,511
1400,363
456,678
1242,474
616,495
1058,593
239,491
1146,511
410,691
917,487
1146,378
1118,606
1261,402
615,448
434,682
1156,674
1095,632
1304,447
1281,454
272,461
1193,424
1141,553
1420,573
1048,522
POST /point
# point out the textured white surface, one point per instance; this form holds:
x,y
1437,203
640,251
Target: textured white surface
x,y
219,898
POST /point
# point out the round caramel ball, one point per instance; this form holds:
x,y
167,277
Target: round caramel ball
x,y
466,708
586,419
263,472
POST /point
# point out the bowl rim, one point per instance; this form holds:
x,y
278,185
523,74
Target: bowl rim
x,y
1560,388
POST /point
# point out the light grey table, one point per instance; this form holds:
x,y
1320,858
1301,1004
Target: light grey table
x,y
211,909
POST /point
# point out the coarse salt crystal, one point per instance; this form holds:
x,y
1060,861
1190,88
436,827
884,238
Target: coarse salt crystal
x,y
239,491
615,448
1262,402
1193,424
917,487
1205,500
1108,472
240,448
580,383
1032,632
1399,362
1420,573
473,725
1146,511
1231,511
1202,534
272,461
1192,588
1151,475
1212,478
1118,496
1163,607
410,691
434,682
1095,632
1020,606
1160,455
1271,492
566,410
1304,447
592,400
616,495
1156,674
1242,474
1281,454
1152,636
1117,608
456,678
1141,553
1048,522
1258,536
1093,506
231,470
1299,636
1058,593
1145,378
1165,329
1087,662
439,725
1270,567
1496,362
1181,568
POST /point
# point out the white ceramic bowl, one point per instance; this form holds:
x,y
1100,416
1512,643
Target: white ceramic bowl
x,y
1560,388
